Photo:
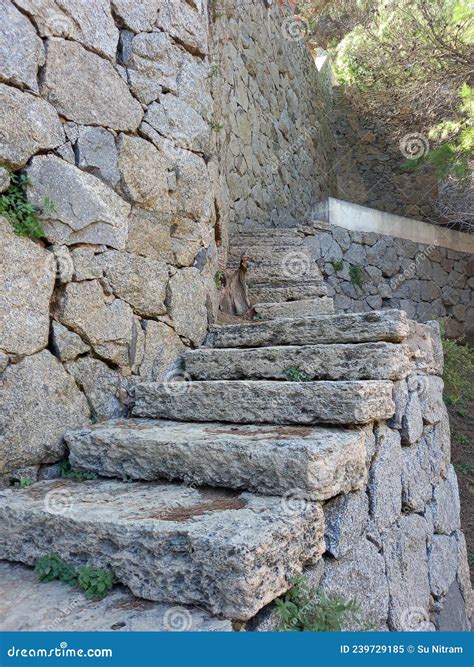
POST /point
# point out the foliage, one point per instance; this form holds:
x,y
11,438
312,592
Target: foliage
x,y
52,567
461,439
356,274
95,582
302,609
458,371
24,482
219,279
68,472
21,214
337,265
295,374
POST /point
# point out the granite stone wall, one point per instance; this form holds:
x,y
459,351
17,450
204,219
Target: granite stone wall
x,y
367,271
106,107
273,117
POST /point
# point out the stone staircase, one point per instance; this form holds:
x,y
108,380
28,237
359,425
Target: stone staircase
x,y
212,494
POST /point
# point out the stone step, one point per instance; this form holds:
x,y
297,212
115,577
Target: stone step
x,y
346,361
266,402
265,293
382,325
316,462
303,308
228,552
28,605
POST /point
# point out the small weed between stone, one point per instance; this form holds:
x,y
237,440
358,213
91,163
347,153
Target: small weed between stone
x,y
356,274
219,279
68,472
213,70
215,125
295,374
337,265
94,582
461,439
23,483
19,212
303,609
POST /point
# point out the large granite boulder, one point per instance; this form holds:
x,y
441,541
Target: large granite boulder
x,y
39,402
82,85
21,50
28,124
89,23
85,209
24,294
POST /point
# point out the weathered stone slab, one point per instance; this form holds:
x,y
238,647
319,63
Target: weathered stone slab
x,y
385,325
426,346
266,402
28,124
5,179
412,421
24,295
149,234
27,605
71,82
346,519
304,308
286,292
443,563
67,345
187,304
446,505
139,17
167,542
39,402
154,64
86,210
417,477
21,50
186,23
89,23
318,463
97,154
101,386
453,617
385,484
431,398
362,361
163,348
176,120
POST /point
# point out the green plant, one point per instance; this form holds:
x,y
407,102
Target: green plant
x,y
303,609
295,374
19,212
23,482
52,567
465,468
215,125
68,472
219,279
461,439
458,371
356,274
213,70
95,582
337,264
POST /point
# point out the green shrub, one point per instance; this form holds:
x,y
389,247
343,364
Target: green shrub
x,y
68,472
219,279
21,214
356,274
303,609
295,374
458,371
95,582
52,567
23,482
337,265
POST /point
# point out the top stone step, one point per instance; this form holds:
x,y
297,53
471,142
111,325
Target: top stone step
x,y
382,325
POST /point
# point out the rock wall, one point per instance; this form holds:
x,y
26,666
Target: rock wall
x,y
368,271
273,116
107,107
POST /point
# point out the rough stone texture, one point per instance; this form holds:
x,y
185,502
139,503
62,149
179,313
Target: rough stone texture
x,y
187,304
27,124
463,574
163,347
101,386
28,605
453,617
25,295
388,325
295,462
431,399
443,563
177,120
154,63
140,281
412,421
97,154
186,23
385,486
139,17
346,518
108,326
85,209
166,542
417,477
21,50
364,361
360,576
144,171
275,293
39,401
149,234
446,504
4,179
266,401
70,83
303,308
67,345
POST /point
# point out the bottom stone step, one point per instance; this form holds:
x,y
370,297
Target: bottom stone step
x,y
265,293
304,308
315,462
230,553
26,605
